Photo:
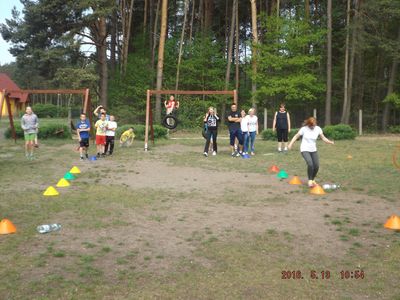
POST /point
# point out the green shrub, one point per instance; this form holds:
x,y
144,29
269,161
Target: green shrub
x,y
339,132
159,131
50,111
394,129
59,131
269,135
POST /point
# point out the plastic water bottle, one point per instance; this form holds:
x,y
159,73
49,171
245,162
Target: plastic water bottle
x,y
46,228
328,186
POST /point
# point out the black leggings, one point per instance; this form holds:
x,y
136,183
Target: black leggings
x,y
211,133
109,143
312,161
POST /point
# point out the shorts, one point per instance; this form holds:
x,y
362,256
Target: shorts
x,y
282,135
29,137
84,143
236,133
100,139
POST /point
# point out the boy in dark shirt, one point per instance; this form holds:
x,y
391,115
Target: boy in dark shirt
x,y
234,129
83,130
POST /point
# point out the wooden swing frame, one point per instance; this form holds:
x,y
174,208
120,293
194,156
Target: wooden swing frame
x,y
149,111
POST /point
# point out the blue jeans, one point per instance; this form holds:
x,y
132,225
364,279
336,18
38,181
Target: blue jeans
x,y
252,137
246,138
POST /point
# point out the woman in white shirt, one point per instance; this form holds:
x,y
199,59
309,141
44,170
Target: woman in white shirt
x,y
308,148
252,121
244,126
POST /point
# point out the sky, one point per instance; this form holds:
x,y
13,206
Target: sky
x,y
5,13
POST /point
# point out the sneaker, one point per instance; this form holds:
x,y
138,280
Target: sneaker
x,y
233,154
279,149
87,156
214,153
205,154
286,149
36,145
98,155
252,153
81,158
237,154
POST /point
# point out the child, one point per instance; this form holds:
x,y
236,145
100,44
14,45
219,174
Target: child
x,y
29,124
282,126
126,137
101,126
83,130
110,135
244,126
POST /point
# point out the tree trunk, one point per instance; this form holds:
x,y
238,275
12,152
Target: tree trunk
x,y
346,65
391,84
160,64
102,55
113,42
126,15
145,16
307,9
237,59
328,103
181,44
208,14
352,58
254,50
191,22
155,29
230,46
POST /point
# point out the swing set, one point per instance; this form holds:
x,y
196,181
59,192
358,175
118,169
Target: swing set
x,y
149,111
6,98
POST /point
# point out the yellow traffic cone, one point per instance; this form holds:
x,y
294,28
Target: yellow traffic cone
x,y
63,183
75,170
50,191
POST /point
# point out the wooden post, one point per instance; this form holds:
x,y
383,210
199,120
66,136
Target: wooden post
x,y
265,119
10,117
360,122
2,102
86,101
315,113
146,131
235,97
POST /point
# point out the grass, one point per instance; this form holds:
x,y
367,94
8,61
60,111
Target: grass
x,y
98,253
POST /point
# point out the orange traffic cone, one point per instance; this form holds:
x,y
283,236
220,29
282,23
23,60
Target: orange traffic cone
x,y
393,223
295,180
274,169
7,227
317,190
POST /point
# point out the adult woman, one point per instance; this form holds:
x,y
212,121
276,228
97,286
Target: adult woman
x,y
308,148
282,126
252,120
244,127
211,120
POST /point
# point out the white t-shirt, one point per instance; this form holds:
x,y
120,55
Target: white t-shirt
x,y
244,124
253,121
310,136
111,125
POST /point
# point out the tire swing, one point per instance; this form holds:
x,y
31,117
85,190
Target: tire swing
x,y
170,121
204,131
